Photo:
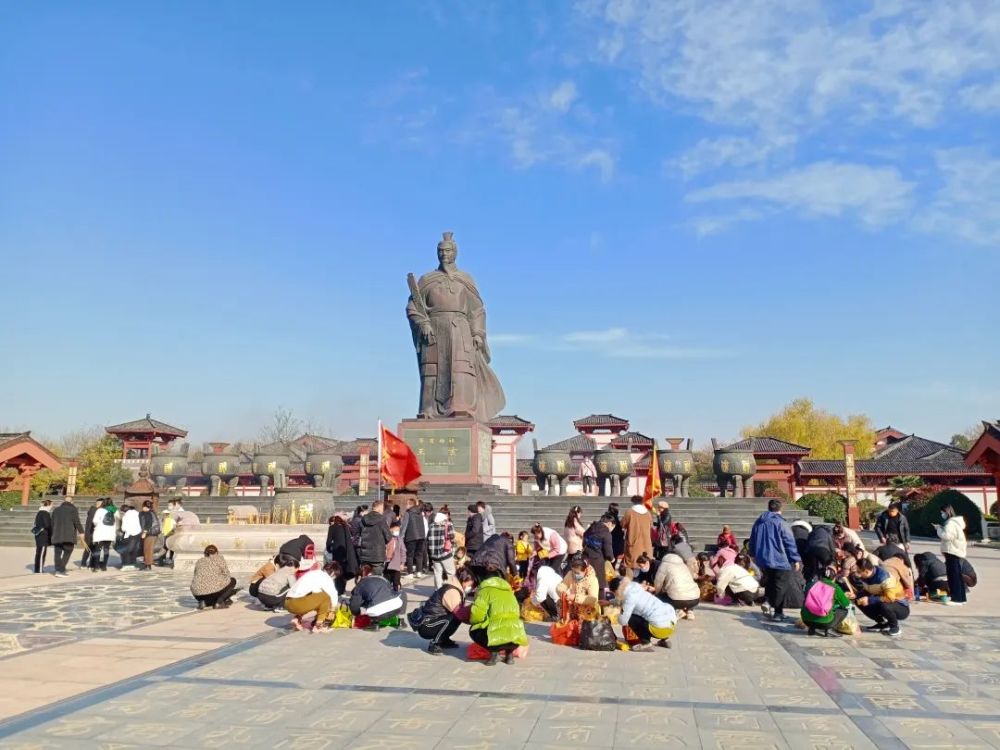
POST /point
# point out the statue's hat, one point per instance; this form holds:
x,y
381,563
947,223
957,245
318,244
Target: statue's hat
x,y
447,242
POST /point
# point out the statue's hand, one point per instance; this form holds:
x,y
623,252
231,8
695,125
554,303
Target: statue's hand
x,y
477,341
427,333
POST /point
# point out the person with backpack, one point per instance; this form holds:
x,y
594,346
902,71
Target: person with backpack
x,y
42,531
825,605
663,529
149,522
598,549
439,618
104,535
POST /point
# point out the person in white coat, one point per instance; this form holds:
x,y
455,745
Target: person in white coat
x,y
737,582
104,536
952,536
131,537
675,585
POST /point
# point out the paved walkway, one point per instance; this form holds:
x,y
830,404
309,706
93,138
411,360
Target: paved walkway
x,y
173,677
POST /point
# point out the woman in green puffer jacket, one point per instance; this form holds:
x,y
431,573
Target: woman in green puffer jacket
x,y
495,620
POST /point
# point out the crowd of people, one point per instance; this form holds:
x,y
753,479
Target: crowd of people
x,y
140,535
637,566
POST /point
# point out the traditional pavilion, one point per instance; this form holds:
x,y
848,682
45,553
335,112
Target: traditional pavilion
x,y
139,436
985,452
935,463
26,456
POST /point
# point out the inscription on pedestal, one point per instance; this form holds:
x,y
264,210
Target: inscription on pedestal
x,y
441,451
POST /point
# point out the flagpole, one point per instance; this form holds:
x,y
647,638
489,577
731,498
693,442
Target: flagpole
x,y
379,497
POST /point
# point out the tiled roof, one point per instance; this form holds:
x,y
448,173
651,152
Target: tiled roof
x,y
768,444
360,445
638,440
524,468
575,444
642,463
601,420
911,455
10,437
510,421
147,424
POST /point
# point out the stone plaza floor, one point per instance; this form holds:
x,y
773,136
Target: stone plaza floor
x,y
138,668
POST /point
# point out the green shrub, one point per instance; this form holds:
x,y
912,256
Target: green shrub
x,y
696,490
829,506
869,510
922,519
10,500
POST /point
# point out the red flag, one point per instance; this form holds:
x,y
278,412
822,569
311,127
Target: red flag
x,y
653,486
400,465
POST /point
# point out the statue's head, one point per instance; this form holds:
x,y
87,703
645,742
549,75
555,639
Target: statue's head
x,y
447,250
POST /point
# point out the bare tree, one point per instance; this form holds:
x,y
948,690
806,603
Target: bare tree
x,y
283,428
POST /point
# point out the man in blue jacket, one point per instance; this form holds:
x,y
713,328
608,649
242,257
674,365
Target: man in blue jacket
x,y
772,547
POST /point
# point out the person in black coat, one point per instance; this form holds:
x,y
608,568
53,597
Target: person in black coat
x,y
374,596
617,532
473,532
598,548
340,547
296,548
414,536
66,529
88,531
932,576
374,536
496,556
819,551
42,529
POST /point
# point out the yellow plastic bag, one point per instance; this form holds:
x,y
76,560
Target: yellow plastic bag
x,y
530,612
612,611
849,625
343,618
610,573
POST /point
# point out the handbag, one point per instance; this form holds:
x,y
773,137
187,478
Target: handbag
x,y
343,618
630,637
598,635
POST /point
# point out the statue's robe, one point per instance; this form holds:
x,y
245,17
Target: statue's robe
x,y
455,312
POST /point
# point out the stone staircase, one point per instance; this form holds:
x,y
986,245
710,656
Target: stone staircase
x,y
702,517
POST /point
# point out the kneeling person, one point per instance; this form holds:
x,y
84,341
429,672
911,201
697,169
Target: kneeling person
x,y
374,596
882,599
314,592
443,612
647,616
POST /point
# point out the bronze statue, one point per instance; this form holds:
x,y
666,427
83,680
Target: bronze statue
x,y
448,322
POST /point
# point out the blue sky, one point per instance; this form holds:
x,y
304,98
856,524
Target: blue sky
x,y
686,213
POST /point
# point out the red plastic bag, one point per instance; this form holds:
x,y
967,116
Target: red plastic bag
x,y
630,637
565,633
477,653
362,621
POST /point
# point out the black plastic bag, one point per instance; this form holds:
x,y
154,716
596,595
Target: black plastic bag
x,y
598,635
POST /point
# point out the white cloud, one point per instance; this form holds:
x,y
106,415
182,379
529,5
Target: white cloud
x,y
707,225
712,153
968,203
876,195
562,97
622,343
781,64
981,97
511,339
601,160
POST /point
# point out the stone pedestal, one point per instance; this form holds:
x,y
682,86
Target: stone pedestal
x,y
451,451
308,504
245,547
